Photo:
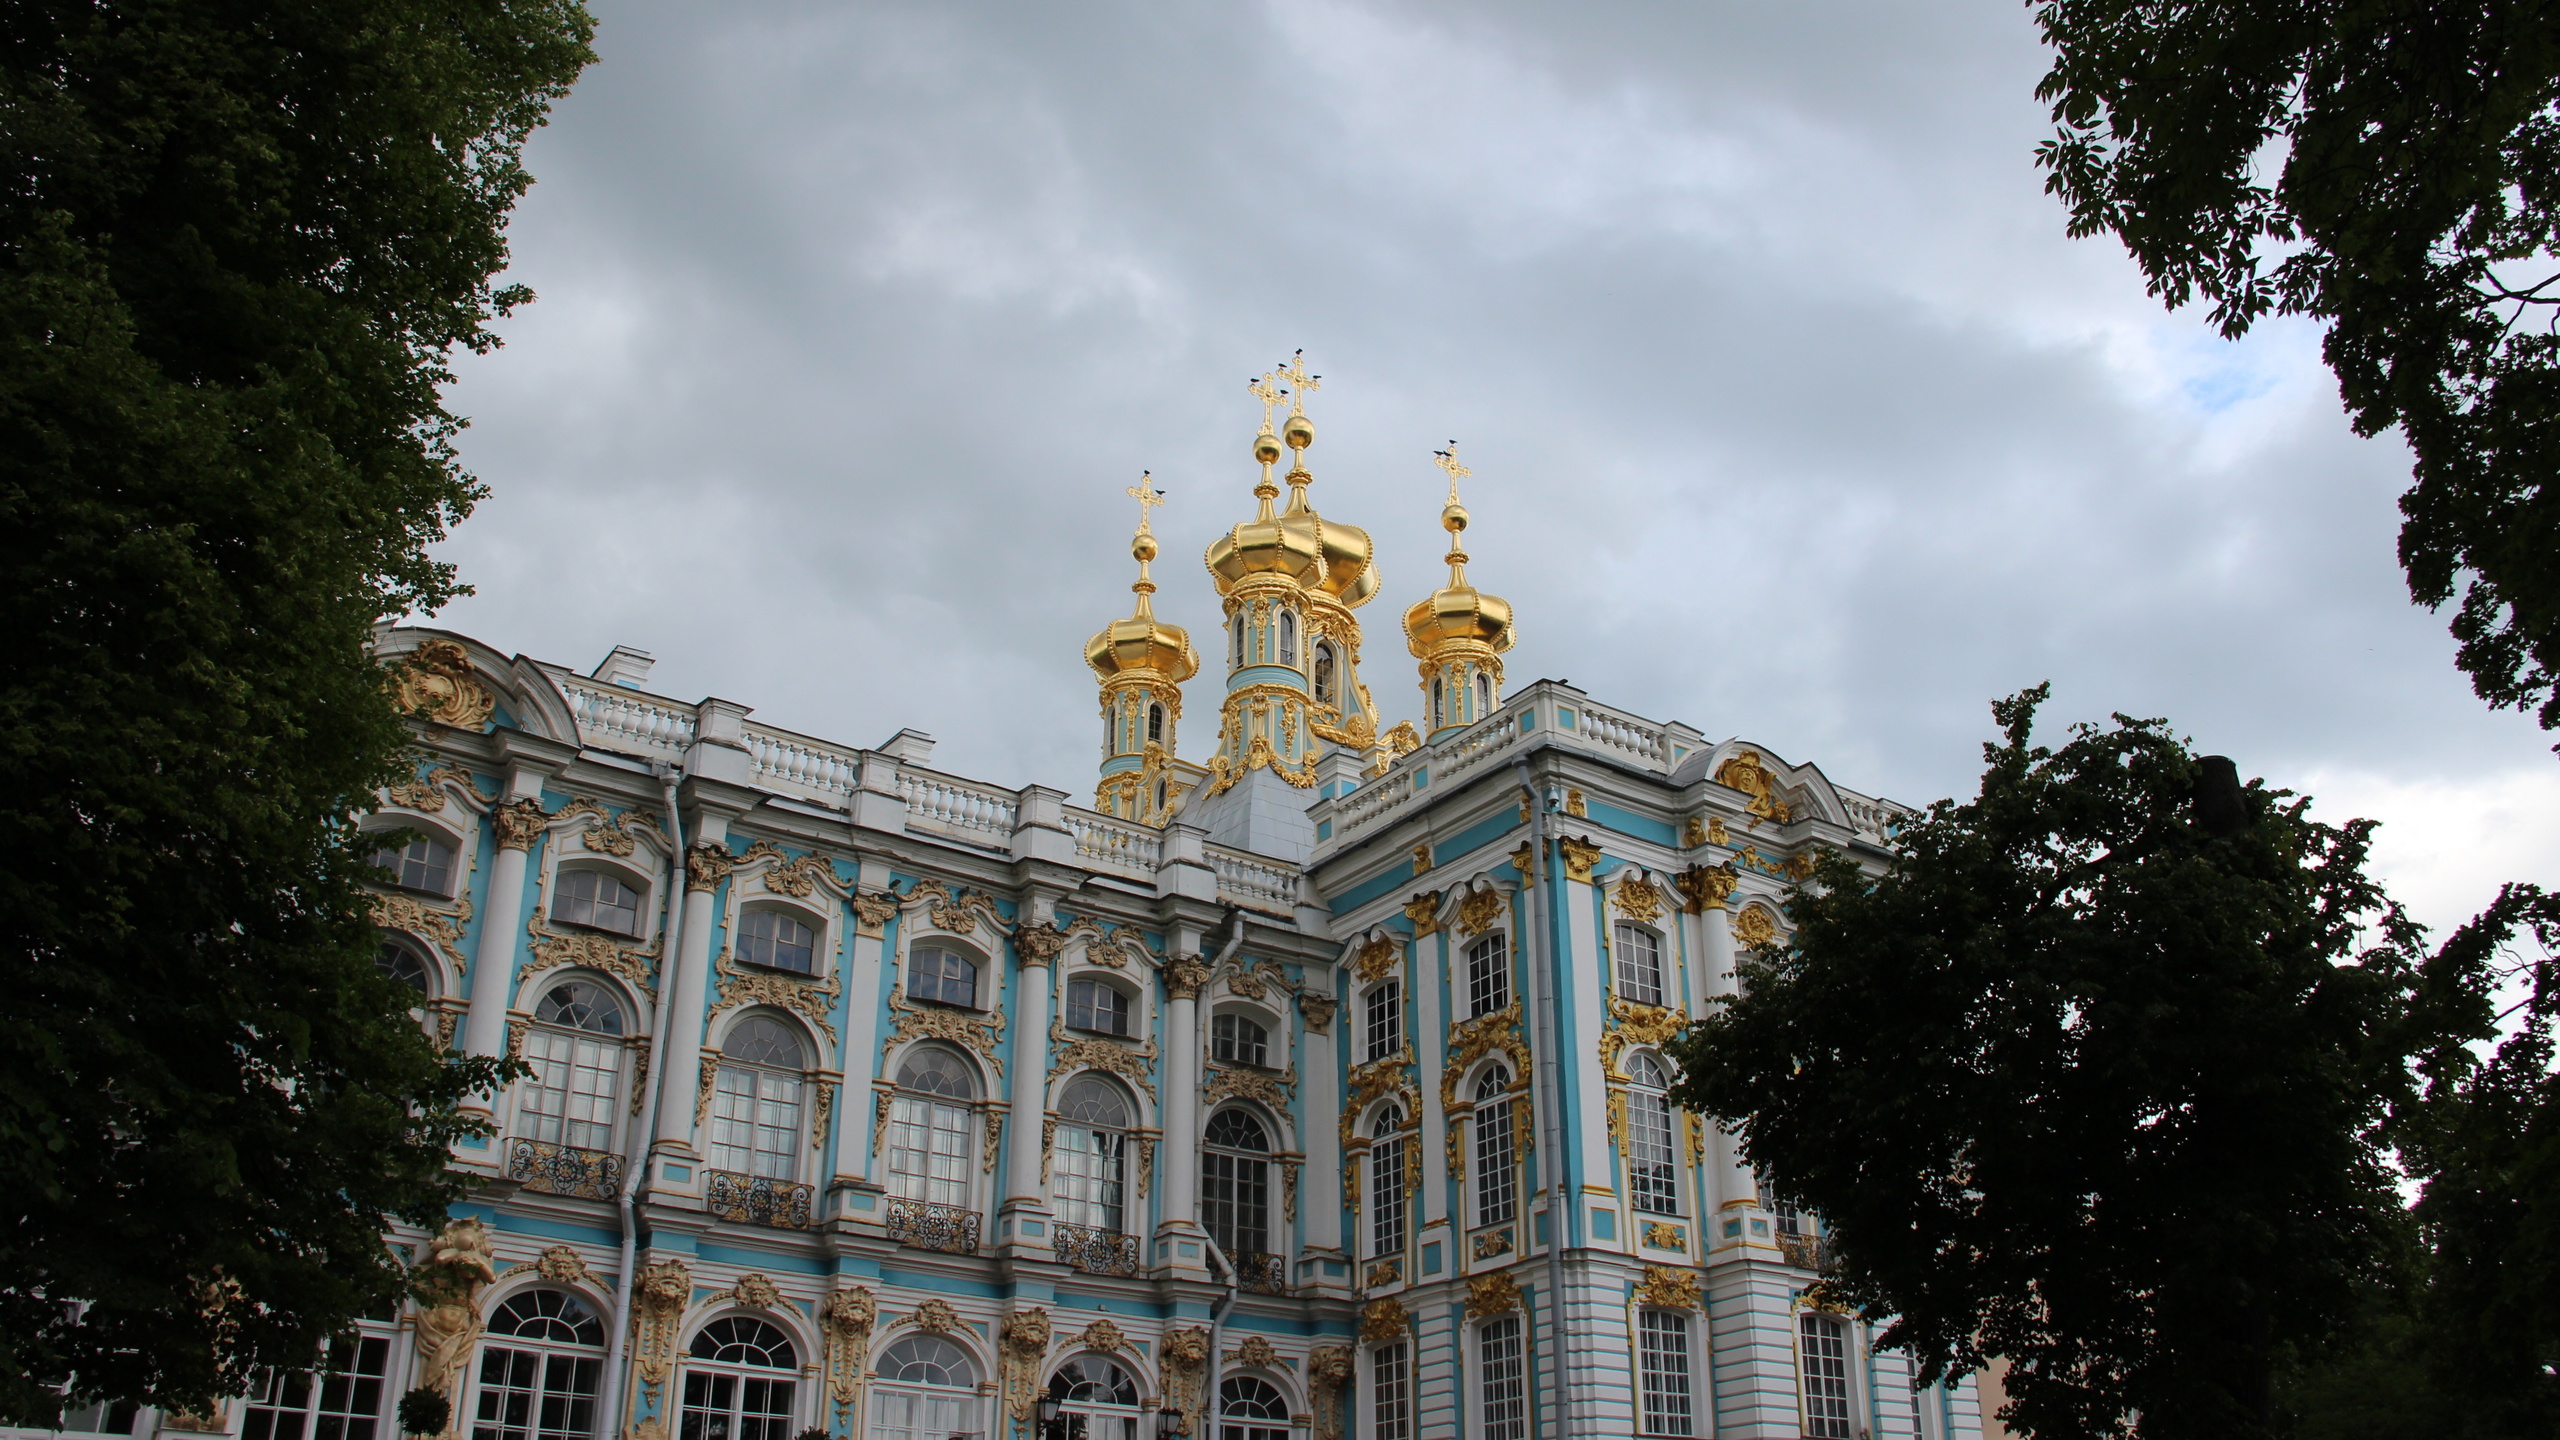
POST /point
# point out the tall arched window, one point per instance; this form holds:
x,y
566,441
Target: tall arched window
x,y
1239,637
1497,1187
738,1379
1639,963
575,1049
1091,1155
1155,723
423,864
538,1369
755,1114
930,1134
1653,1177
1484,695
1235,1191
927,1391
1502,1379
1384,1010
1249,1409
1096,1399
1288,638
1439,703
1488,974
1386,1185
1327,692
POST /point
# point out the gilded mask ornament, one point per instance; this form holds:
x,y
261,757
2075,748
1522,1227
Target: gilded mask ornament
x,y
1579,856
1494,1294
1755,926
935,1316
756,1292
1668,1288
1424,911
871,911
1104,1336
1256,1350
1375,958
437,678
1638,900
1478,912
1383,1322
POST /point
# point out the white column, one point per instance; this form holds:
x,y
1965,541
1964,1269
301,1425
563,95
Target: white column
x,y
688,986
1322,1127
1184,974
1430,958
868,958
1030,1079
518,823
1733,1182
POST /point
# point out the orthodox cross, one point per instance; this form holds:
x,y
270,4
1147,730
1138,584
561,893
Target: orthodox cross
x,y
1268,391
1448,460
1301,383
1146,494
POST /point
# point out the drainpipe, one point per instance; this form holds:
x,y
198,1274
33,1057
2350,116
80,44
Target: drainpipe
x,y
635,1160
1226,1267
1550,1101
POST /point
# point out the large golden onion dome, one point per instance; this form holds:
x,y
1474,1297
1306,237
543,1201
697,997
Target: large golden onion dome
x,y
1140,641
1457,611
1323,555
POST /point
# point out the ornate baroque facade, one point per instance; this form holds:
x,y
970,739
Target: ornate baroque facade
x,y
1318,1084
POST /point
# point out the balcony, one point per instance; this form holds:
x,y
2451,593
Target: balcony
x,y
758,1200
1096,1252
564,1169
1808,1252
946,1228
1260,1273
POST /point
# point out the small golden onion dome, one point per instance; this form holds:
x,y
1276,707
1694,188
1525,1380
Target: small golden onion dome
x,y
1142,642
1457,612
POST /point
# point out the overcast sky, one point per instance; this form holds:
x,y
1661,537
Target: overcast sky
x,y
1793,413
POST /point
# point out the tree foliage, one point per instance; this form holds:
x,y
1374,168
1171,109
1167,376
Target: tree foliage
x,y
2093,1078
238,242
2414,210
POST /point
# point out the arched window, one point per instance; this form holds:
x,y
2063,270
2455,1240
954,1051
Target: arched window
x,y
1239,1040
1155,723
1239,637
1391,1392
1653,1177
1825,1366
927,1391
1159,794
1497,1186
1326,693
1249,1409
942,975
1639,964
1235,1189
1439,703
1488,974
1484,695
1096,1399
1091,1155
1288,638
538,1369
755,1115
1096,1005
1662,1349
1502,1380
738,1380
423,864
575,1049
1386,1185
777,942
400,964
1111,731
930,1134
598,900
1384,1010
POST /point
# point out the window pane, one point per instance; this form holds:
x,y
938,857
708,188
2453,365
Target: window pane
x,y
1826,1377
1496,1185
1504,1395
1489,975
1391,1392
1386,1198
1662,1343
1386,1019
1639,964
1652,1174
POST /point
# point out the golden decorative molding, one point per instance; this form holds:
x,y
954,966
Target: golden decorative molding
x,y
1048,1141
1696,1127
796,878
1256,1350
706,865
1383,1322
610,834
846,1317
702,1094
1665,1237
1146,1164
461,1264
1022,1340
1494,1294
872,911
1638,900
1329,1371
1575,806
1133,1063
1472,1040
1755,926
426,793
1373,1081
1693,832
1184,975
1579,856
1479,911
1317,1010
441,927
1706,887
995,1141
519,823
1747,773
1492,1243
1383,1272
935,1317
812,1001
883,1102
640,1046
1668,1288
959,912
981,1033
1376,958
822,1104
1104,1336
1182,1361
437,678
550,949
665,1288
1038,944
1633,1024
1232,1081
754,1291
1424,911
1422,858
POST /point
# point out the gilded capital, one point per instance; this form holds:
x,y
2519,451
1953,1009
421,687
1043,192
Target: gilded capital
x,y
1424,911
1579,856
706,865
1184,975
1707,887
1039,944
519,823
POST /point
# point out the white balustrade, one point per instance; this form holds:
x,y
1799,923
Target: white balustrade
x,y
611,718
936,802
1623,734
1253,882
1119,845
798,765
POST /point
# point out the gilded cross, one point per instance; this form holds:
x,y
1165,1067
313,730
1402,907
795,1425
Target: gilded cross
x,y
1268,391
1301,383
1146,494
1448,460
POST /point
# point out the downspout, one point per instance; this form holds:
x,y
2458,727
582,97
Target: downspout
x,y
1210,1379
635,1160
1545,1057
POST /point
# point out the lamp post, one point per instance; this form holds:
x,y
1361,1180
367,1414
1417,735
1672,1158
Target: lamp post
x,y
1048,1410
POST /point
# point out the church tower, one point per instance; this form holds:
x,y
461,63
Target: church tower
x,y
1141,662
1288,581
1459,632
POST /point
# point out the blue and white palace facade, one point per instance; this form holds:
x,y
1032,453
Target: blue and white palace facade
x,y
1310,1092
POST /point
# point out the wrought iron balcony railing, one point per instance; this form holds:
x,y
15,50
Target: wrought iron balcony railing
x,y
759,1200
1260,1273
927,1226
564,1169
1811,1252
1096,1252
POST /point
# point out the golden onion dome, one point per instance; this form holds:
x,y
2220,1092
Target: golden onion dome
x,y
1457,611
1140,641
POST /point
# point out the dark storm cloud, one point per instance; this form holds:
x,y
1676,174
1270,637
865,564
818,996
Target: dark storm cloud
x,y
1792,412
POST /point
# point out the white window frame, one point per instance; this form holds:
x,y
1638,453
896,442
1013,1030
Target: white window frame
x,y
1480,1392
1391,990
1633,983
1497,942
1648,1416
1848,1423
